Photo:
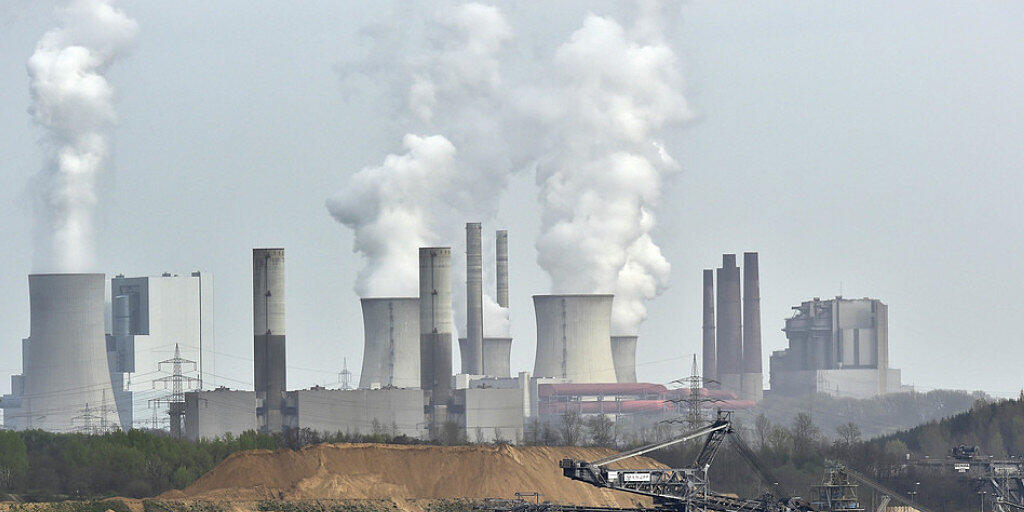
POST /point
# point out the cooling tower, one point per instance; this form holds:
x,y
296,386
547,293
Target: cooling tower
x,y
67,375
391,350
501,260
436,332
729,346
710,364
624,355
269,337
473,361
574,338
752,385
497,352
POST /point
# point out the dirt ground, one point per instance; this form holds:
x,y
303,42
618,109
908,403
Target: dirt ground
x,y
404,474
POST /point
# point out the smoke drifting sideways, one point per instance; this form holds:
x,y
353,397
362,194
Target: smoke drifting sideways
x,y
73,101
587,116
442,88
616,90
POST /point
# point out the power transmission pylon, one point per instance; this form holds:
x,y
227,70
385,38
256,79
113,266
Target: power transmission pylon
x,y
345,376
696,398
177,382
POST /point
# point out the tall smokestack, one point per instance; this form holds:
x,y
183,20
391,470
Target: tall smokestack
x,y
729,345
474,302
436,332
752,386
501,259
710,368
269,336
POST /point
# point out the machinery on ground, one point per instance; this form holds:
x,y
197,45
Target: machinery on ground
x,y
837,492
686,489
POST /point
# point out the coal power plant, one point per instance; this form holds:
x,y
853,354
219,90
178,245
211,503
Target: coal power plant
x,y
409,381
79,376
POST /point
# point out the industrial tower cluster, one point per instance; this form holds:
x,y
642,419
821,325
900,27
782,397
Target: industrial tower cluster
x,y
85,369
732,339
408,385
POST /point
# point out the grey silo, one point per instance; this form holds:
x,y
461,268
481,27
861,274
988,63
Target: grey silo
x,y
501,264
574,337
752,384
270,370
391,350
624,356
473,362
67,370
436,331
729,341
709,367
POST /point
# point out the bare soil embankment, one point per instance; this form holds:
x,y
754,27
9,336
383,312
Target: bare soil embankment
x,y
402,472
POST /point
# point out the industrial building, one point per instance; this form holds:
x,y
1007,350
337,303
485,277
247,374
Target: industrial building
x,y
732,327
838,347
407,385
151,316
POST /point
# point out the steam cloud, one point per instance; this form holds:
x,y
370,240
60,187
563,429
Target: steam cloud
x,y
616,90
587,117
72,99
448,86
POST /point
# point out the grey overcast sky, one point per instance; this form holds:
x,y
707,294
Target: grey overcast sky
x,y
870,147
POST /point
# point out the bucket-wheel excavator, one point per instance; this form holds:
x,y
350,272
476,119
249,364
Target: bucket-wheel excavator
x,y
686,489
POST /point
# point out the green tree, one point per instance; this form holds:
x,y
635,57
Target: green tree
x,y
13,461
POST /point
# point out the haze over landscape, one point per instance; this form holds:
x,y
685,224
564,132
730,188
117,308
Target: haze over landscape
x,y
864,149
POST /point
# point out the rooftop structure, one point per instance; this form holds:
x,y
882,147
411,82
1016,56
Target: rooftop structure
x,y
838,347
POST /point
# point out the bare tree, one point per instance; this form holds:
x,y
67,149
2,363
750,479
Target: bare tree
x,y
601,430
762,428
572,427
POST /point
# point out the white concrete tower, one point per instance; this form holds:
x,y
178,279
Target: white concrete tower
x,y
473,363
574,337
67,374
624,355
391,352
501,267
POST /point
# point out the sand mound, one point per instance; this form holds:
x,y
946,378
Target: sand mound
x,y
370,471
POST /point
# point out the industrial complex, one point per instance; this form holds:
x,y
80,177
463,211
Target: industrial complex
x,y
93,363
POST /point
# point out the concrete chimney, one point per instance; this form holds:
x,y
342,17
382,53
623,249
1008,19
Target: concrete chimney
x,y
436,333
270,375
501,259
752,385
710,363
729,341
474,363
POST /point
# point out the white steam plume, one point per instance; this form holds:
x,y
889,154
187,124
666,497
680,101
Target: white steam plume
x,y
72,99
445,83
616,91
589,117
